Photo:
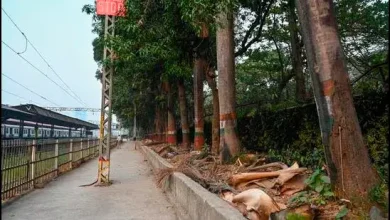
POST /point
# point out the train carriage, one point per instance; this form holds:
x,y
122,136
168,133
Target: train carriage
x,y
11,129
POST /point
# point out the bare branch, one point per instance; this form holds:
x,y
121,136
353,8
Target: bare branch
x,y
263,15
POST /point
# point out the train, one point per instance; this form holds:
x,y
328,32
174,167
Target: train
x,y
11,130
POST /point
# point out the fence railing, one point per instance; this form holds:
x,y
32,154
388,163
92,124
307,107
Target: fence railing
x,y
30,164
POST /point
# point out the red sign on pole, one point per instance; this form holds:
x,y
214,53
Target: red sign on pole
x,y
110,7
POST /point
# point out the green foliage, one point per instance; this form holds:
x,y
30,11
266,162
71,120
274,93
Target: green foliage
x,y
264,76
343,212
319,183
378,195
151,44
155,41
377,140
300,198
296,216
293,134
258,78
363,28
287,135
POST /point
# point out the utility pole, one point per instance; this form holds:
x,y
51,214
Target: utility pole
x,y
110,9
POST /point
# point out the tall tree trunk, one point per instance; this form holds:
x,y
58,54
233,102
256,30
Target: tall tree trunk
x,y
229,143
210,77
296,54
199,65
183,114
165,124
155,128
347,156
159,125
199,71
171,128
385,81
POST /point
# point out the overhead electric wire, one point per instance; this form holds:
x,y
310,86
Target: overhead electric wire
x,y
41,71
20,97
30,90
36,50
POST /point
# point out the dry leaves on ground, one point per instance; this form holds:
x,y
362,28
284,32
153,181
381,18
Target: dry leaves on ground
x,y
252,186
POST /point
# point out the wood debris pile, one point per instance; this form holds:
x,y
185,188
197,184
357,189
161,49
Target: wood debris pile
x,y
258,189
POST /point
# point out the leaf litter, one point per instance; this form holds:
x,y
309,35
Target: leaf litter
x,y
259,190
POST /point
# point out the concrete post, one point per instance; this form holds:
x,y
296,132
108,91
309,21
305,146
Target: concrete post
x,y
81,148
89,150
33,152
21,128
52,131
96,148
56,157
71,153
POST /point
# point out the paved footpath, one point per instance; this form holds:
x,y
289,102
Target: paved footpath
x,y
133,195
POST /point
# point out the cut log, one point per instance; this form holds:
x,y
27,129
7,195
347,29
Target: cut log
x,y
285,174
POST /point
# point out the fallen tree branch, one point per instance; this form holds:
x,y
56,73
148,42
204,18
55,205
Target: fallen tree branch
x,y
236,179
275,164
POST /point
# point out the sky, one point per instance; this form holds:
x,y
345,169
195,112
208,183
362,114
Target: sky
x,y
61,32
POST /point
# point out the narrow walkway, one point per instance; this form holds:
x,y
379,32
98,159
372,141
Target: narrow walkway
x,y
133,195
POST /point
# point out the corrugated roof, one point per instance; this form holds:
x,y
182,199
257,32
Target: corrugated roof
x,y
50,117
8,112
6,107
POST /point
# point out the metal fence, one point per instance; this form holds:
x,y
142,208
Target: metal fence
x,y
31,163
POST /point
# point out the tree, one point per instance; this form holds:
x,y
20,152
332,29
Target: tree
x,y
296,54
185,129
347,157
229,142
199,71
256,12
210,77
171,131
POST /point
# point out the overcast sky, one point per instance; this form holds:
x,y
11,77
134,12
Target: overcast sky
x,y
62,34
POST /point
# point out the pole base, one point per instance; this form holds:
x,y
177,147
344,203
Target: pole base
x,y
102,184
103,171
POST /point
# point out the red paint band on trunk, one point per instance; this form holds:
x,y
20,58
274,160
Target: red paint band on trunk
x,y
328,87
199,142
229,116
171,139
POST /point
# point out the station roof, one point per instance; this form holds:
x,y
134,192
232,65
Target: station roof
x,y
31,112
9,112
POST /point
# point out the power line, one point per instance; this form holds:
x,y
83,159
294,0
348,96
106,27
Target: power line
x,y
25,48
77,109
36,50
20,97
56,73
40,71
29,89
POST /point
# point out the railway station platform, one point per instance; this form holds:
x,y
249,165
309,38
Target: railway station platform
x,y
133,194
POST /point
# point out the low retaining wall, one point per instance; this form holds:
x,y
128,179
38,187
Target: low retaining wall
x,y
196,201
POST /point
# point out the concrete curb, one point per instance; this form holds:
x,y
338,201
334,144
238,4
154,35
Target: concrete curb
x,y
197,202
